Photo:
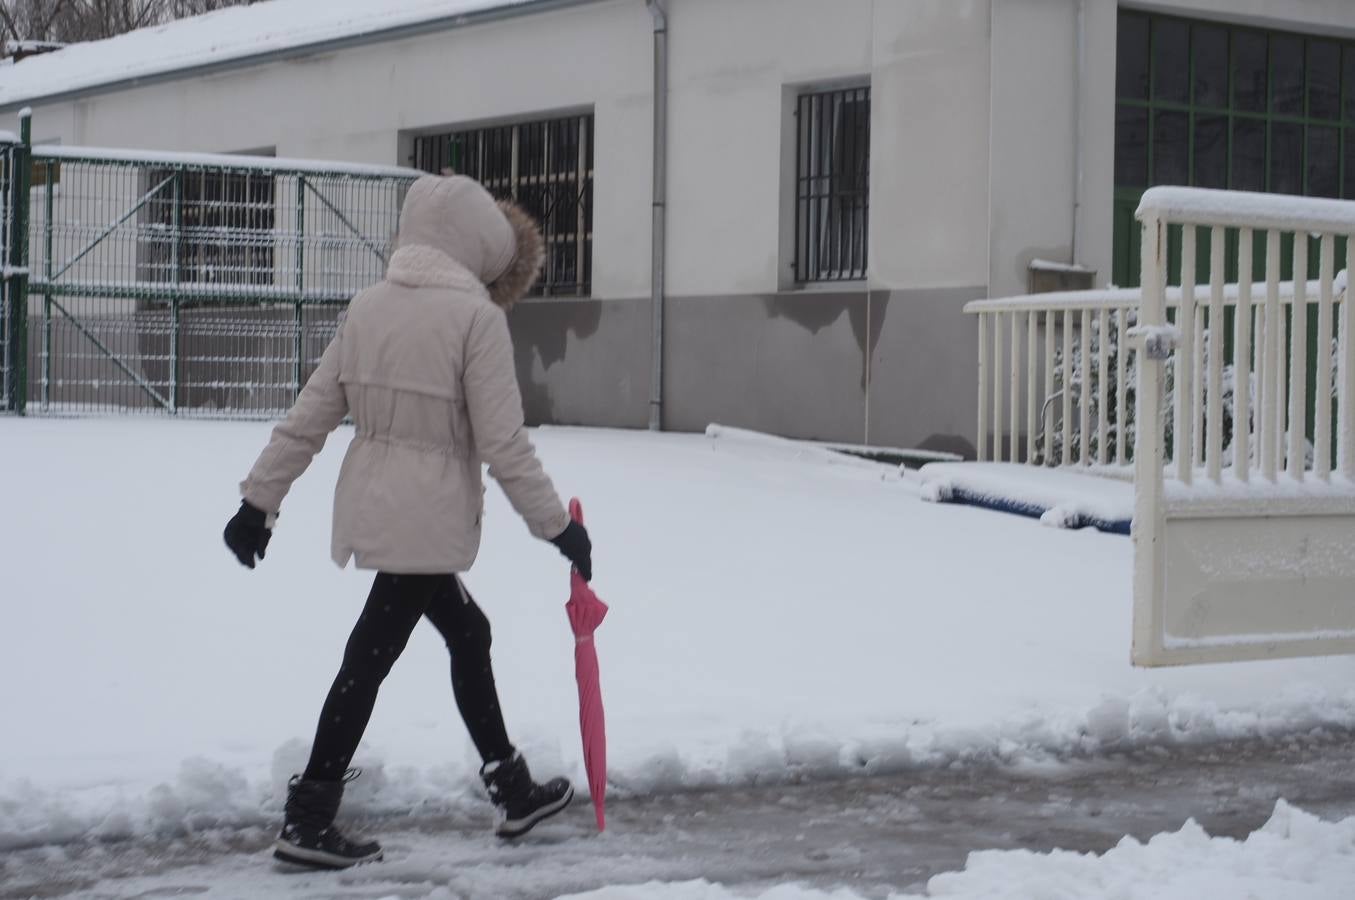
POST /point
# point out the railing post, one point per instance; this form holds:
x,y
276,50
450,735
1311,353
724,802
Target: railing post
x,y
1032,401
1148,443
1242,360
17,283
1183,430
982,443
997,387
1297,463
1047,458
1272,449
1214,424
1322,397
298,345
1084,412
1122,350
1346,413
1102,386
1066,385
1014,410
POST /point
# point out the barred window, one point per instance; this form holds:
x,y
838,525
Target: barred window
x,y
832,185
546,166
209,227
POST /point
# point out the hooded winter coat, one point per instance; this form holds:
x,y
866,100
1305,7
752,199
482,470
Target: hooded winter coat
x,y
424,364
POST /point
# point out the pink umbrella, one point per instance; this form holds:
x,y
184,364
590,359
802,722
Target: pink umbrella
x,y
586,613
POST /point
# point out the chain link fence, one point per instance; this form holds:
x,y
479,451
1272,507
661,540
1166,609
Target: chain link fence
x,y
181,284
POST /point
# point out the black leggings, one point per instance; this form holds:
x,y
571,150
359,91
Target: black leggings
x,y
394,607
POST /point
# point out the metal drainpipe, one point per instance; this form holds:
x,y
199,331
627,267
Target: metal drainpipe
x,y
660,14
1078,89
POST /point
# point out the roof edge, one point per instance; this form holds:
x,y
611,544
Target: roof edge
x,y
394,33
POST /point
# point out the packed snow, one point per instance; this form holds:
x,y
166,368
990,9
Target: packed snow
x,y
221,36
1295,856
774,616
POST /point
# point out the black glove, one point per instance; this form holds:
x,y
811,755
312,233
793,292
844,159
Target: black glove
x,y
573,542
247,534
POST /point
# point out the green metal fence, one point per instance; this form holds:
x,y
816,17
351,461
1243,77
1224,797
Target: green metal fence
x,y
180,284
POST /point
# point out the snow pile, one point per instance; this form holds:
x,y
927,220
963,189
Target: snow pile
x,y
219,37
775,613
1294,856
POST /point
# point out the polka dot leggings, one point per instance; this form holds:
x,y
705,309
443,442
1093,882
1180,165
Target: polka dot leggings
x,y
394,607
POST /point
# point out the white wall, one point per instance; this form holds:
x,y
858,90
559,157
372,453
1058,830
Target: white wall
x,y
972,136
352,105
734,64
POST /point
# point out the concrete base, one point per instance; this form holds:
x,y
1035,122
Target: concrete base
x,y
859,366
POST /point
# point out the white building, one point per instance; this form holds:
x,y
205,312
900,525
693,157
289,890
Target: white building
x,y
841,176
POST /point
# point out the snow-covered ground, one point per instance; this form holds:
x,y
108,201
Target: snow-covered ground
x,y
773,615
1294,856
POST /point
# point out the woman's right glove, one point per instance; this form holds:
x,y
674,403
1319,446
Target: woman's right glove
x,y
573,542
247,533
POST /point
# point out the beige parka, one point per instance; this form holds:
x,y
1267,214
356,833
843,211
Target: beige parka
x,y
424,364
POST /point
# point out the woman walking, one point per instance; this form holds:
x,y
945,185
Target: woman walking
x,y
423,363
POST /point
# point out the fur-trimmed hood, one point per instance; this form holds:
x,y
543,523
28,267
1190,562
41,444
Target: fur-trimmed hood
x,y
496,243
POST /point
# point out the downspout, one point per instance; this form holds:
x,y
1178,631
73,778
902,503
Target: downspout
x,y
658,252
1078,93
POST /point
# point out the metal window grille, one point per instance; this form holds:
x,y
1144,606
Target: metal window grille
x,y
210,227
546,166
832,185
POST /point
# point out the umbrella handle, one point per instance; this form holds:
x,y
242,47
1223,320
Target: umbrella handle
x,y
576,510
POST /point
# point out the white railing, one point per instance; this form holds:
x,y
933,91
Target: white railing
x,y
1270,344
1242,540
1038,408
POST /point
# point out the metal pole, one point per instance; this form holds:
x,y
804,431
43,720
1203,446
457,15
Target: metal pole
x,y
47,293
174,298
660,14
18,262
298,344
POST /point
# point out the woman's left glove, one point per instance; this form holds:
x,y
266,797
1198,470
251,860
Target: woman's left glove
x,y
574,543
247,533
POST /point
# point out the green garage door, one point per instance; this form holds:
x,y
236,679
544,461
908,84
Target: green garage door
x,y
1223,106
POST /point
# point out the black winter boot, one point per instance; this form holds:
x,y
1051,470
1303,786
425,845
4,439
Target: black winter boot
x,y
309,837
519,802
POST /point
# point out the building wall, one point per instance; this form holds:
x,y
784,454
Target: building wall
x,y
980,113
